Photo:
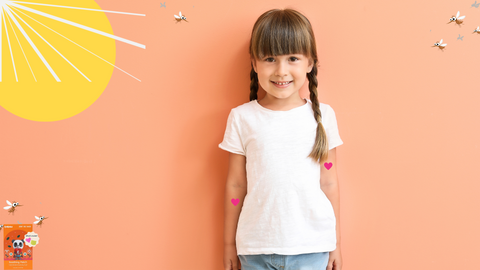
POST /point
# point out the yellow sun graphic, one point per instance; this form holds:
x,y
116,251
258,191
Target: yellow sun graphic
x,y
56,57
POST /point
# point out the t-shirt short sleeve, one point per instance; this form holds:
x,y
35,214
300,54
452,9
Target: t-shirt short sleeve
x,y
331,129
232,140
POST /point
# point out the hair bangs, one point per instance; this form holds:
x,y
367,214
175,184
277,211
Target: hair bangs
x,y
280,33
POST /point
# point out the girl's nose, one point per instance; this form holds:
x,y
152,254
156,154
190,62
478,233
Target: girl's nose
x,y
282,69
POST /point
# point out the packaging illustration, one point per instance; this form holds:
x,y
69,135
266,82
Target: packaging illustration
x,y
17,254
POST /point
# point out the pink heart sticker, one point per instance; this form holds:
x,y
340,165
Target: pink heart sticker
x,y
328,165
235,201
28,239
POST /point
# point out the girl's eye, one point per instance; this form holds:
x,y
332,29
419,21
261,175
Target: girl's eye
x,y
293,59
269,59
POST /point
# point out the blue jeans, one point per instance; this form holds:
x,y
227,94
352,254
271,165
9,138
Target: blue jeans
x,y
307,261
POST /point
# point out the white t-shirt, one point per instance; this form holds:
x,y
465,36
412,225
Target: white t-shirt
x,y
285,211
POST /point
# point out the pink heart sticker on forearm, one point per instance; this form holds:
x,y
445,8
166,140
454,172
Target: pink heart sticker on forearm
x,y
28,239
328,165
235,201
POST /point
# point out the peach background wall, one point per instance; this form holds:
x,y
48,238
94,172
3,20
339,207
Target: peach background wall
x,y
136,181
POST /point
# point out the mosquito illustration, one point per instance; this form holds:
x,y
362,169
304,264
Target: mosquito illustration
x,y
476,30
180,17
11,207
458,20
440,45
475,5
39,221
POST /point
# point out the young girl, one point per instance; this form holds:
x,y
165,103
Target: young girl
x,y
287,215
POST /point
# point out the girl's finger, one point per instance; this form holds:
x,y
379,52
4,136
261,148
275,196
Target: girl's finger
x,y
234,267
330,265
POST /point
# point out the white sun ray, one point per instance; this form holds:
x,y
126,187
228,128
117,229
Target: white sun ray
x,y
90,9
79,45
32,44
77,25
9,46
20,44
10,11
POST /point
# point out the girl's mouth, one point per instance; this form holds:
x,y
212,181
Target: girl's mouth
x,y
281,84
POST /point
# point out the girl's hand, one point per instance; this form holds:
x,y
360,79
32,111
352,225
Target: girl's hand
x,y
230,258
335,260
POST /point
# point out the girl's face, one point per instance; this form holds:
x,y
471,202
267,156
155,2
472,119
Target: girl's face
x,y
282,76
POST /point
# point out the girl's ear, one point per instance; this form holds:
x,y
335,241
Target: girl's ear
x,y
254,65
310,65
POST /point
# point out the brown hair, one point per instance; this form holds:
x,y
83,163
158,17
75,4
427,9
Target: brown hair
x,y
280,32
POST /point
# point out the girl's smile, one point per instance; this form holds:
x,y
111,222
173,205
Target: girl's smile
x,y
282,84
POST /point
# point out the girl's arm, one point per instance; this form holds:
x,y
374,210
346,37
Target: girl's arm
x,y
329,186
235,188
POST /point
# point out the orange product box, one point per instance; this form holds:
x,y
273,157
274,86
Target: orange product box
x,y
16,254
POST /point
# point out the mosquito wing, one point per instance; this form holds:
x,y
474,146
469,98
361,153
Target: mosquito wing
x,y
9,203
458,14
441,40
443,45
7,207
461,18
180,13
35,222
177,17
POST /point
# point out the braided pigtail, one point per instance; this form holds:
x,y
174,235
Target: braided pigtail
x,y
320,148
253,84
